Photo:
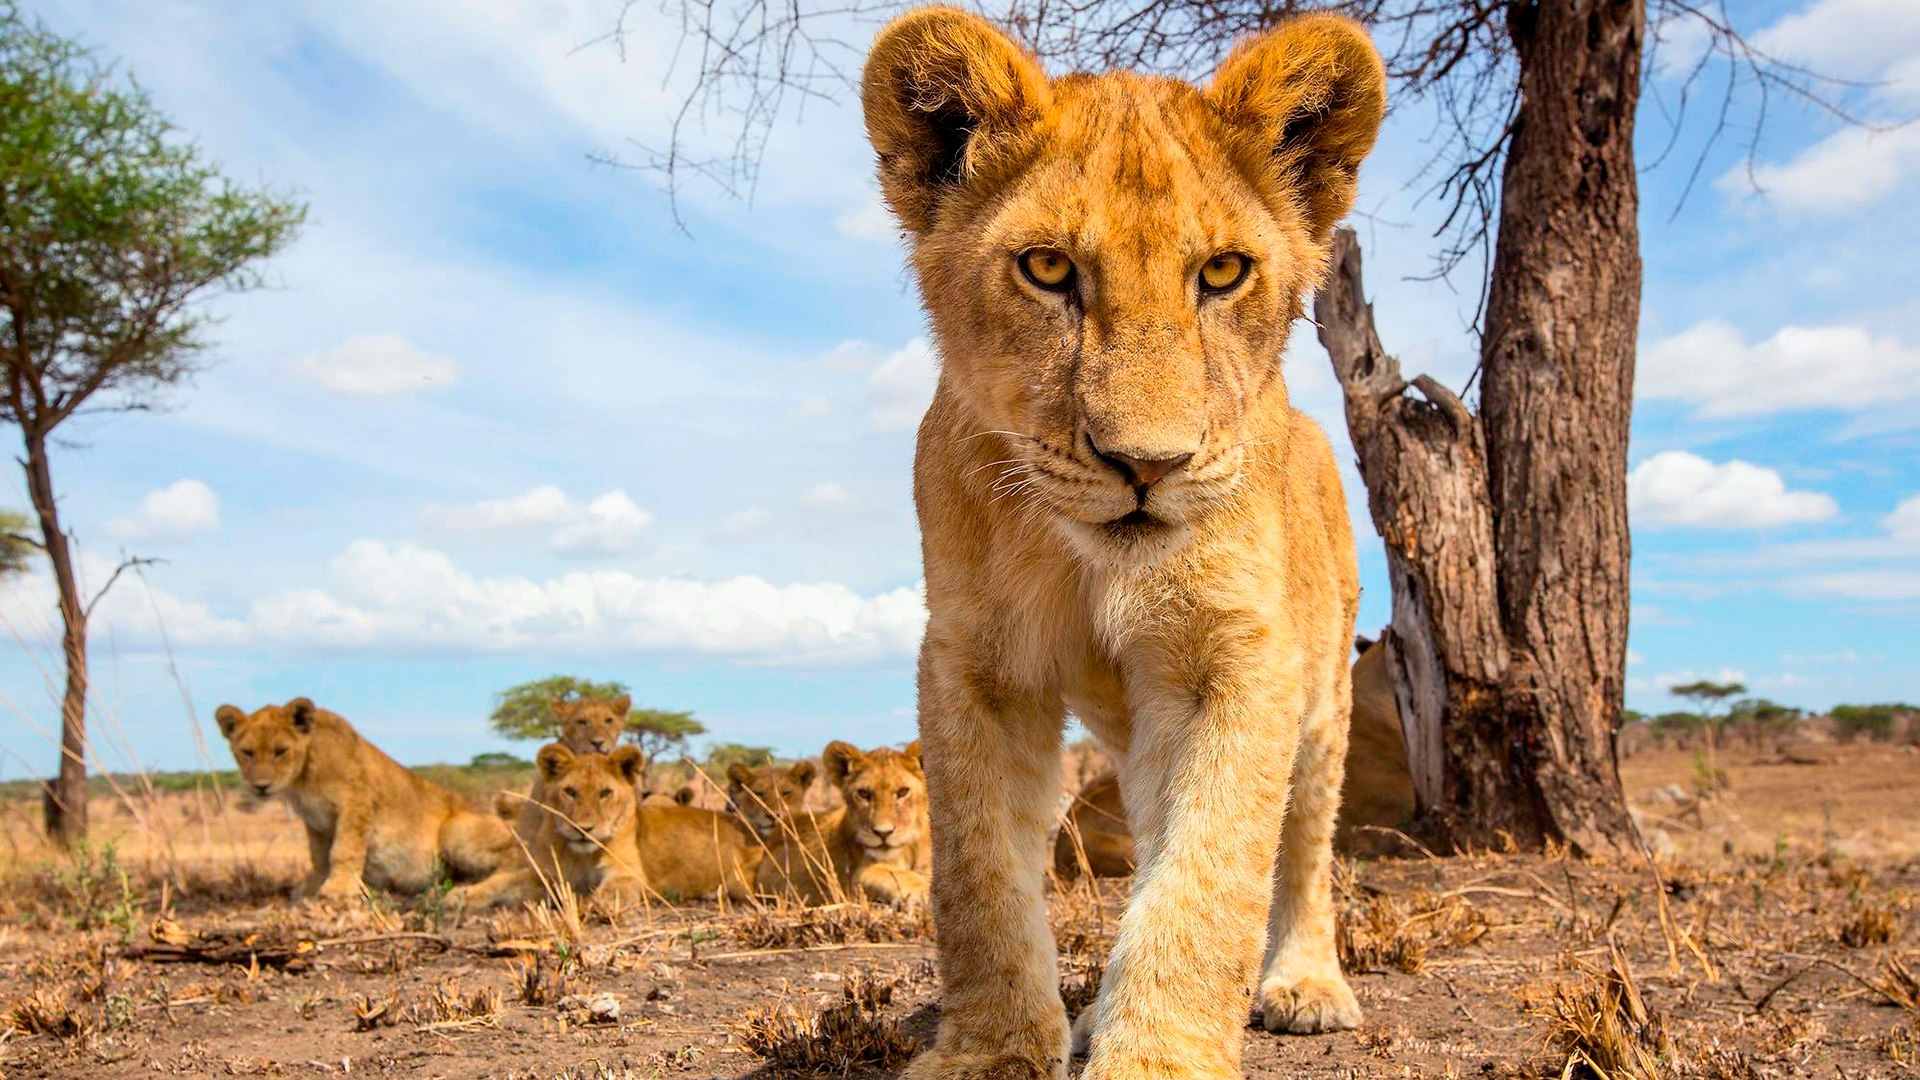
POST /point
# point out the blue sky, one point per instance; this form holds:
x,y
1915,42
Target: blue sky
x,y
498,418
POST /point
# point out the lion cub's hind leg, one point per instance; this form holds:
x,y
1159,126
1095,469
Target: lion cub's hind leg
x,y
1302,990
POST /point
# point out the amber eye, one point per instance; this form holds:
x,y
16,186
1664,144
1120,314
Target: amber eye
x,y
1223,272
571,793
1049,268
903,793
866,795
606,793
280,753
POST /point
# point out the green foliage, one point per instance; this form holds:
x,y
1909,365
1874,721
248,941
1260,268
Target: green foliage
x,y
497,759
658,730
526,711
1869,721
1707,695
1678,722
723,756
96,891
112,226
17,546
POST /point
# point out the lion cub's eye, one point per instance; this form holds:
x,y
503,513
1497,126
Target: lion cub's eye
x,y
606,793
1223,272
571,793
903,793
280,753
866,794
1049,268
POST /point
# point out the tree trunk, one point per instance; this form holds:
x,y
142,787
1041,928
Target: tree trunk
x,y
67,804
1506,534
1563,316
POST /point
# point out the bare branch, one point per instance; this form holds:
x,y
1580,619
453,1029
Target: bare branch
x,y
126,564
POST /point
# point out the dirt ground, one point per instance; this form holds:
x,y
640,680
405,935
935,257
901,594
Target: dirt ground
x,y
1773,937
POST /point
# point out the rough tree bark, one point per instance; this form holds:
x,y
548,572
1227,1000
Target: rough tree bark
x,y
67,798
1506,534
1563,316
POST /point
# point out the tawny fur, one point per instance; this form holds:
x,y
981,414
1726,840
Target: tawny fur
x,y
1379,787
368,818
875,845
1198,626
583,836
584,726
1095,837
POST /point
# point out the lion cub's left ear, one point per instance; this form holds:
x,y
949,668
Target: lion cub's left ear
x,y
946,96
1306,101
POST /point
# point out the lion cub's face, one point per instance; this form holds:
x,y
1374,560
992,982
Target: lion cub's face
x,y
886,794
589,796
1113,262
768,797
592,725
270,745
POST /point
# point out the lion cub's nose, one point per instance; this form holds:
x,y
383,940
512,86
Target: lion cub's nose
x,y
1141,472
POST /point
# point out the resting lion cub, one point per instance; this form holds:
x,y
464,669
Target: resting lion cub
x,y
1112,264
583,834
586,726
368,818
875,845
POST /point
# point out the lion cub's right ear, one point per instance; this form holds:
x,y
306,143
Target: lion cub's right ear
x,y
740,774
229,717
840,759
946,96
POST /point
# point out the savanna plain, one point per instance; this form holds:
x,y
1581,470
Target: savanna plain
x,y
1769,931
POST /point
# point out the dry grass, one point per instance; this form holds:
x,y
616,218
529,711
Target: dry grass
x,y
794,927
1384,932
837,1039
1868,925
1600,1027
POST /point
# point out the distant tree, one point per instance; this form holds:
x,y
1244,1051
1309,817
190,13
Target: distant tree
x,y
723,756
526,711
497,759
660,730
1758,720
112,230
1874,722
1708,696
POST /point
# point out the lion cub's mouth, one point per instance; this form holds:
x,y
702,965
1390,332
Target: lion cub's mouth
x,y
1133,525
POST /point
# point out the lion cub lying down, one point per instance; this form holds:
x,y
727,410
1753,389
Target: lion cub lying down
x,y
368,818
875,845
592,834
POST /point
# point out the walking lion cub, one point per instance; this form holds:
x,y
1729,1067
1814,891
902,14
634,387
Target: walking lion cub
x,y
1123,517
369,819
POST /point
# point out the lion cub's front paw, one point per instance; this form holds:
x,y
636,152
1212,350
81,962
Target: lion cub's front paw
x,y
939,1065
1309,1006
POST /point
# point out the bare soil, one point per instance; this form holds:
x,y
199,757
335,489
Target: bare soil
x,y
1776,938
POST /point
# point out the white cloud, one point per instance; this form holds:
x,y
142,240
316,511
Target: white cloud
x,y
828,497
180,511
902,386
813,408
134,614
1819,367
1869,41
1884,584
1904,522
610,524
376,365
743,524
1681,489
1855,38
871,220
404,596
1849,169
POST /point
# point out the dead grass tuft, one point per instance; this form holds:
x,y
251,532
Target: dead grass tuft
x,y
371,1012
1390,933
450,1003
544,979
48,1011
838,1039
1601,1028
1868,925
834,924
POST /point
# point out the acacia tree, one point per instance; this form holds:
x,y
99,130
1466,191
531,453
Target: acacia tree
x,y
526,712
113,229
1506,528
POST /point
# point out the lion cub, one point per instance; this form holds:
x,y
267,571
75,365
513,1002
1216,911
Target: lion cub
x,y
592,832
1112,264
875,845
368,818
586,726
583,834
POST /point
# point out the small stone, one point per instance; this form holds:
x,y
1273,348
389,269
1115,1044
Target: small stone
x,y
600,1008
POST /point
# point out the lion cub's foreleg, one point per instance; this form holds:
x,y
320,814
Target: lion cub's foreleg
x,y
1302,990
992,779
1203,786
